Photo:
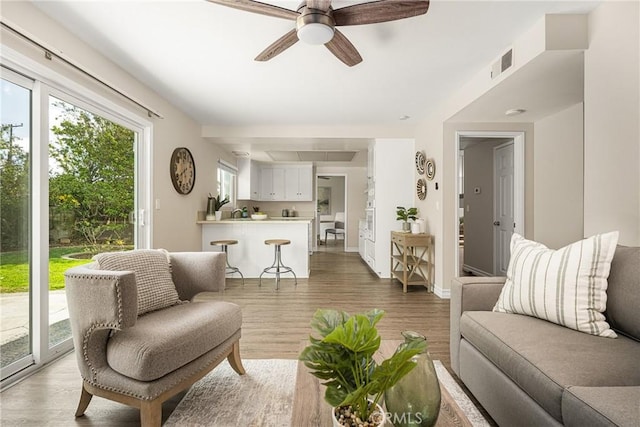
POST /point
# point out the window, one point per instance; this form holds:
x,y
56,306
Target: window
x,y
227,181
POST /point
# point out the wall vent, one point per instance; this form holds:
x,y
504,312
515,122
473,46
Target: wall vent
x,y
501,65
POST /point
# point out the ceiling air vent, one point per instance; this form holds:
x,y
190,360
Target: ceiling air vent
x,y
501,65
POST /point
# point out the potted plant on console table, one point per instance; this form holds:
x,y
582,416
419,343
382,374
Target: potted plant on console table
x,y
404,214
343,358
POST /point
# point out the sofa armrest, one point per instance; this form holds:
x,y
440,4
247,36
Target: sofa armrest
x,y
99,301
195,272
469,294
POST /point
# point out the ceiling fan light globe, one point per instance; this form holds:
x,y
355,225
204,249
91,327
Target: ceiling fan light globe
x,y
315,33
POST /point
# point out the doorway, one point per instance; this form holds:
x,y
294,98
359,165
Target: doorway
x,y
490,186
331,213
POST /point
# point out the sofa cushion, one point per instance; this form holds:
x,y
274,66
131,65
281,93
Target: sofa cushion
x,y
601,406
623,293
156,289
543,358
567,286
165,340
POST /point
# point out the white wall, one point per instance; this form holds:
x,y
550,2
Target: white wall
x,y
174,223
558,190
611,112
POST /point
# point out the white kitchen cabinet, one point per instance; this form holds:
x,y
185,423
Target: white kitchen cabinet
x,y
391,183
272,181
248,179
298,183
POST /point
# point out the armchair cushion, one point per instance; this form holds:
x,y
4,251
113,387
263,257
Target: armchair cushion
x,y
146,352
152,270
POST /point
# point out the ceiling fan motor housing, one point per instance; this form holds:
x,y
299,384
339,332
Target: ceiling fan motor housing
x,y
315,26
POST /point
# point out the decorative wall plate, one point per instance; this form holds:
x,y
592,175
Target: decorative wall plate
x,y
430,169
420,160
421,188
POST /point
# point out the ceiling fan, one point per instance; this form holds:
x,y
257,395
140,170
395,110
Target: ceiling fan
x,y
316,22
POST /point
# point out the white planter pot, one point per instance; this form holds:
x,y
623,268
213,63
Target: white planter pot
x,y
218,215
337,424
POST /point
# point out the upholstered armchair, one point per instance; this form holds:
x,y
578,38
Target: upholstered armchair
x,y
139,340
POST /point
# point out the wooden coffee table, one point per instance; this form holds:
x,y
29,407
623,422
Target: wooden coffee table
x,y
311,410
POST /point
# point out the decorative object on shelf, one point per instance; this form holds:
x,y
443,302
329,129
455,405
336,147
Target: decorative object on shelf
x,y
415,399
421,188
183,170
430,169
343,358
404,214
259,215
218,202
420,162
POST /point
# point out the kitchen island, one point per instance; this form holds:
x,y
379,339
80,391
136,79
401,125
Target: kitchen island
x,y
251,255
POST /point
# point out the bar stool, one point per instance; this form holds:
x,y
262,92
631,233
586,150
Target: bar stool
x,y
224,244
277,267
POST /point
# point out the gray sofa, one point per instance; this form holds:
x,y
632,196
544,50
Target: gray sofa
x,y
530,372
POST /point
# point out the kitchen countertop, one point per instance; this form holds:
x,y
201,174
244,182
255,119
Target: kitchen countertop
x,y
270,220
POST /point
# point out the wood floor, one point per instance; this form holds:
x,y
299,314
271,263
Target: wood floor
x,y
274,323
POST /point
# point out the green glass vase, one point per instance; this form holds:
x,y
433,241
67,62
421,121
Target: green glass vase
x,y
414,401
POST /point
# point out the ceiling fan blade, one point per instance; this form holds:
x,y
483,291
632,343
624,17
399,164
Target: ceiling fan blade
x,y
322,5
379,11
342,48
279,46
257,7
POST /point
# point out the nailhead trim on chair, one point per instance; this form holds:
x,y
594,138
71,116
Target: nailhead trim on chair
x,y
99,326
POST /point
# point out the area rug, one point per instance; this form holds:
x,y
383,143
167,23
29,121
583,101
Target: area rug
x,y
265,396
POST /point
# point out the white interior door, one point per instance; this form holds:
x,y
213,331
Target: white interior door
x,y
503,224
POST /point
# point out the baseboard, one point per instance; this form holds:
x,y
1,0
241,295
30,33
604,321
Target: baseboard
x,y
476,271
351,249
441,292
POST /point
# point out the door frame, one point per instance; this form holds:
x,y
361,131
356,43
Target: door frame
x,y
346,208
518,180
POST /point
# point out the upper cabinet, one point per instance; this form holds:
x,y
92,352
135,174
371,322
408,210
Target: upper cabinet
x,y
277,182
298,183
272,181
248,180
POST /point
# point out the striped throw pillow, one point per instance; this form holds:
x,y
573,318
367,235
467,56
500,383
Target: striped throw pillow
x,y
156,289
567,286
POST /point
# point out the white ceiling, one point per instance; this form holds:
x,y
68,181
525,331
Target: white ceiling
x,y
199,55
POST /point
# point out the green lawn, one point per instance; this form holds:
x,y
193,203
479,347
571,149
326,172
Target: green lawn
x,y
14,268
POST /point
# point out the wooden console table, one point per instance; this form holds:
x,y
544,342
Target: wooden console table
x,y
412,259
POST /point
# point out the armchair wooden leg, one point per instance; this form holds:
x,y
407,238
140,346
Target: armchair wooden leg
x,y
151,413
234,359
85,399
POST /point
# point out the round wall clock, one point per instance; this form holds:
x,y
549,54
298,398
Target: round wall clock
x,y
421,189
183,170
420,161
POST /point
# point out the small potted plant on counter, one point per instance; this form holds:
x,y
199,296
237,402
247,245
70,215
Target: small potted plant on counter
x,y
218,203
343,358
404,214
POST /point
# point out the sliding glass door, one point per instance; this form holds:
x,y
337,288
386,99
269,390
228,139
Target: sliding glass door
x,y
15,214
74,182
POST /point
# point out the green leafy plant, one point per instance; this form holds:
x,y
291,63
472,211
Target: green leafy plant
x,y
219,202
343,358
405,214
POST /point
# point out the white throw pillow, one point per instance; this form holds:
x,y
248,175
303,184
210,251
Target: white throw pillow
x,y
567,286
156,289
